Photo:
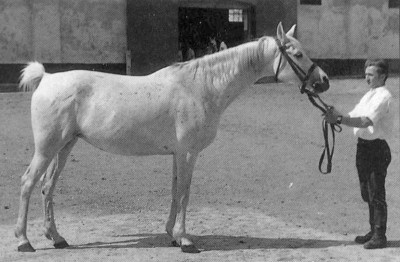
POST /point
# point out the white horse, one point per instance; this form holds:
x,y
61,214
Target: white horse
x,y
174,111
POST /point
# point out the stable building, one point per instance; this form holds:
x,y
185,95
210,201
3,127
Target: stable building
x,y
140,36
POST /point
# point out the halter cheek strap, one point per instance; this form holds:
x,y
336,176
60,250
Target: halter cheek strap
x,y
301,74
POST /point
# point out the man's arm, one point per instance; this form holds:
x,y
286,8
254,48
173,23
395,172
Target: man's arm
x,y
332,116
361,122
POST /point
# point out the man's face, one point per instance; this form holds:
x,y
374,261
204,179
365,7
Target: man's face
x,y
373,78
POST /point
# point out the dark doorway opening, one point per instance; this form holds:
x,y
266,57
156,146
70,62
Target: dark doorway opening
x,y
197,25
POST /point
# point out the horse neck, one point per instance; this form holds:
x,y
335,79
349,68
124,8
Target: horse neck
x,y
234,70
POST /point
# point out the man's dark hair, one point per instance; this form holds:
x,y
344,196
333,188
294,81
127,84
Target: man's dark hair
x,y
381,64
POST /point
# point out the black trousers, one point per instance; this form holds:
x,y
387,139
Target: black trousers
x,y
372,160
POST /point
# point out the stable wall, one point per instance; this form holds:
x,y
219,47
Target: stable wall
x,y
349,29
339,35
63,31
86,33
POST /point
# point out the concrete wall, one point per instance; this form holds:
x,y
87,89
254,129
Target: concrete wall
x,y
349,29
63,31
15,31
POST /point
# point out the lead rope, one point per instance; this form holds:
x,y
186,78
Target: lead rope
x,y
327,152
303,76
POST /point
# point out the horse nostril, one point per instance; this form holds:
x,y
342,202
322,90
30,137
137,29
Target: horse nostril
x,y
326,80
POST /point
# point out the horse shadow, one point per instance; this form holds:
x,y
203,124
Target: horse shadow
x,y
220,242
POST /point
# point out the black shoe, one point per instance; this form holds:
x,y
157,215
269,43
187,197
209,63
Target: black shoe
x,y
376,241
364,239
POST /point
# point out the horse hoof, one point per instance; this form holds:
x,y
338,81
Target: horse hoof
x,y
27,247
189,249
62,244
175,244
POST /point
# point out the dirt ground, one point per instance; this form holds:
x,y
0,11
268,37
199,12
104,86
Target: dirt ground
x,y
256,195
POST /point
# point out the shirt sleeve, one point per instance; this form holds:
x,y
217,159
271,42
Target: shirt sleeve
x,y
378,108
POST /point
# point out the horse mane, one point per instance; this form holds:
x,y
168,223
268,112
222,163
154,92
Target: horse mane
x,y
225,64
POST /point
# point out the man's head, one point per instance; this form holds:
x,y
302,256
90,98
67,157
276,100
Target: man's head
x,y
376,72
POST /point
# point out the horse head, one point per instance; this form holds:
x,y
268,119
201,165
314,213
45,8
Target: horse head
x,y
293,65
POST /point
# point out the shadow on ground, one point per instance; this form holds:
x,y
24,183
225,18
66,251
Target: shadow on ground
x,y
218,242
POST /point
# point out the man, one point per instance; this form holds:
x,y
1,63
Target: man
x,y
372,119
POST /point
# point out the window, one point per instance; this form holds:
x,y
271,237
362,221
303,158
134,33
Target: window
x,y
394,3
235,15
310,2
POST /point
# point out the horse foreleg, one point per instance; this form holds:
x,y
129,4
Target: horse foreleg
x,y
36,168
172,214
48,186
185,165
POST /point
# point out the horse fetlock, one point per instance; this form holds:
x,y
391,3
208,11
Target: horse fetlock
x,y
18,233
169,228
47,234
185,241
169,231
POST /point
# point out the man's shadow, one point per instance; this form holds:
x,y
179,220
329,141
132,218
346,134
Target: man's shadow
x,y
219,242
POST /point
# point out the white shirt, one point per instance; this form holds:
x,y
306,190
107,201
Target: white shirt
x,y
377,105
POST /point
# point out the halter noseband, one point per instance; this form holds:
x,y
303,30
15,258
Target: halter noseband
x,y
301,74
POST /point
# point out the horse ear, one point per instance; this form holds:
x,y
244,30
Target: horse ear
x,y
280,34
291,31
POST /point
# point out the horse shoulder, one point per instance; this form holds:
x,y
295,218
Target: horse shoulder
x,y
196,123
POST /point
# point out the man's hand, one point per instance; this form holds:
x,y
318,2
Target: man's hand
x,y
331,115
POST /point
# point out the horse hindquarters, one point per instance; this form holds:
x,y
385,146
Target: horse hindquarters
x,y
50,136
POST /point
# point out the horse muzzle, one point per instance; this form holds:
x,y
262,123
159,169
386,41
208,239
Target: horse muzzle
x,y
320,87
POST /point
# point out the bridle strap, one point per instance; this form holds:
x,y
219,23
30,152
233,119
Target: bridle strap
x,y
304,77
301,74
327,152
277,70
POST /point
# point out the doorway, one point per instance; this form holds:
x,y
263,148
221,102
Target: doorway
x,y
197,25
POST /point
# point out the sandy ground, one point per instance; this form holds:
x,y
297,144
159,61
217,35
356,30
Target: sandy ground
x,y
256,194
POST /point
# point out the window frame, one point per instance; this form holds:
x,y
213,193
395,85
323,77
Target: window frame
x,y
236,16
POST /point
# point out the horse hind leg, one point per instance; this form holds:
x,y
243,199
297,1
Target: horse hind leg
x,y
48,185
36,168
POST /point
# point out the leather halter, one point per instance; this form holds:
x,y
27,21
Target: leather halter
x,y
304,77
301,74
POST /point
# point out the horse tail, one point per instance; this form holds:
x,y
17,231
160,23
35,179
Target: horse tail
x,y
31,76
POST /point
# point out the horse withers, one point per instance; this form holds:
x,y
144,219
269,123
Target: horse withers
x,y
174,111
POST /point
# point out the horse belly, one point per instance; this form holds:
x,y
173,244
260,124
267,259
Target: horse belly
x,y
157,138
127,130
